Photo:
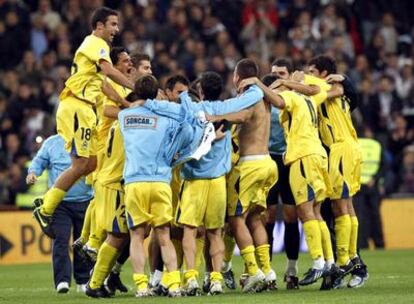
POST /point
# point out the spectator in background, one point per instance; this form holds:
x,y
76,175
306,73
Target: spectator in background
x,y
49,17
38,39
406,174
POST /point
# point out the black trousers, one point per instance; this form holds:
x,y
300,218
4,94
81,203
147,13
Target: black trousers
x,y
367,207
68,219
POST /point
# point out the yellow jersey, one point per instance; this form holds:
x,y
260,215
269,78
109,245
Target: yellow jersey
x,y
105,123
110,174
86,78
299,120
335,123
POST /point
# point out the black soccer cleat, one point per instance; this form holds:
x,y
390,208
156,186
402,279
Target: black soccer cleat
x,y
114,283
160,290
206,284
77,248
45,222
311,276
97,293
292,282
359,274
229,280
329,277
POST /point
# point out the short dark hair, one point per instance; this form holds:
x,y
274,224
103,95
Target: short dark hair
x,y
323,63
212,85
115,52
246,68
146,87
283,62
269,79
132,97
136,58
173,80
101,15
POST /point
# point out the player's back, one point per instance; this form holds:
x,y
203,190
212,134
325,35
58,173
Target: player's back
x,y
254,133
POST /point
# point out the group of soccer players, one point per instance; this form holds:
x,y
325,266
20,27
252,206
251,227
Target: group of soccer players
x,y
193,174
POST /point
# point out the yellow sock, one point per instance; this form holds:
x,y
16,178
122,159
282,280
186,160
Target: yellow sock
x,y
229,245
190,274
326,241
343,237
179,251
263,257
51,200
86,228
96,239
199,258
174,280
106,259
216,276
353,243
313,238
249,259
164,279
140,280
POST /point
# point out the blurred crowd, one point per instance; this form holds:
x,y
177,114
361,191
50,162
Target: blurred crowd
x,y
372,42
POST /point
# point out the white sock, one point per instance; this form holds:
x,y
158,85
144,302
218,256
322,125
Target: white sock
x,y
226,266
291,268
319,263
329,263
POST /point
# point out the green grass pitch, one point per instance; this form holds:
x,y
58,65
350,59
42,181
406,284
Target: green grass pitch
x,y
391,281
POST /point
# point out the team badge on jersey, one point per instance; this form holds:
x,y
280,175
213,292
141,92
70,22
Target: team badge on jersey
x,y
102,52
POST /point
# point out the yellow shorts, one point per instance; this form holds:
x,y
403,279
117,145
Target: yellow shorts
x,y
148,203
76,123
345,169
309,179
203,203
176,189
110,208
257,176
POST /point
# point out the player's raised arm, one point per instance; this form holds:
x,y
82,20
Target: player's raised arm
x,y
109,71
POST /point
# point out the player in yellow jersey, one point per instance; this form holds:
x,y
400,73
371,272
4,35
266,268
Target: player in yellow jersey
x,y
338,134
76,120
308,176
111,212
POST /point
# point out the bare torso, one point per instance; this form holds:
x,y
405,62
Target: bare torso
x,y
254,133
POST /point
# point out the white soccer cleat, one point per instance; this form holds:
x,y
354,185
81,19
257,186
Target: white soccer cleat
x,y
62,287
144,293
215,288
155,278
270,280
192,288
81,288
254,282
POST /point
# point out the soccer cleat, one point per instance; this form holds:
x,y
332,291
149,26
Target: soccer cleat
x,y
311,276
292,282
113,283
96,293
255,282
215,288
160,290
229,280
81,288
206,282
91,253
45,222
77,247
270,280
243,280
338,276
329,277
174,293
192,288
155,279
38,202
62,287
144,293
359,274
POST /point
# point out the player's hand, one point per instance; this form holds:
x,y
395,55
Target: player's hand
x,y
298,76
276,84
334,78
246,82
161,95
219,133
31,178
